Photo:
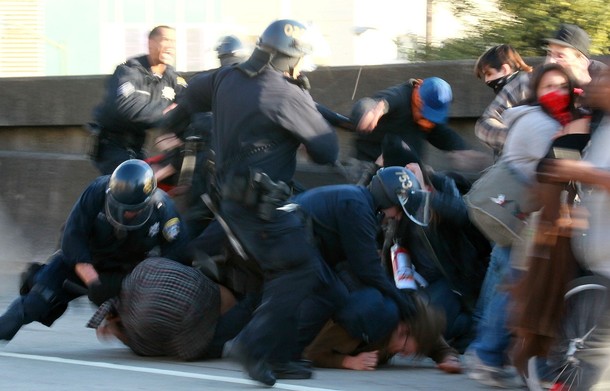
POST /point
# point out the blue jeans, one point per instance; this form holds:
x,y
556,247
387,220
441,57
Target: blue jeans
x,y
493,337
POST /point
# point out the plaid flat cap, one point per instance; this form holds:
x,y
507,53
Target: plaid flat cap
x,y
167,309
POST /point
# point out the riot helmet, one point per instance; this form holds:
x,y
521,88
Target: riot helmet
x,y
129,196
394,186
230,50
287,40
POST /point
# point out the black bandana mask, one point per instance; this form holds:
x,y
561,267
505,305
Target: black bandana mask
x,y
500,82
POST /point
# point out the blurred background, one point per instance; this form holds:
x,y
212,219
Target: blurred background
x,y
88,37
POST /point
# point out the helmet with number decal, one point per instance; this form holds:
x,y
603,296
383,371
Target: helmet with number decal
x,y
129,195
286,36
287,41
398,186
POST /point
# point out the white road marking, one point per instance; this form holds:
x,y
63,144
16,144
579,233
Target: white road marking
x,y
155,371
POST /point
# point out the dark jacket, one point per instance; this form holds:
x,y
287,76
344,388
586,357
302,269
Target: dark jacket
x,y
90,238
399,120
260,122
345,224
135,100
459,247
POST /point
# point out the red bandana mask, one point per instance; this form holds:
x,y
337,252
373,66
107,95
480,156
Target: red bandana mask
x,y
557,104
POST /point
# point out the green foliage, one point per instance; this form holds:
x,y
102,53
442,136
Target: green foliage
x,y
521,23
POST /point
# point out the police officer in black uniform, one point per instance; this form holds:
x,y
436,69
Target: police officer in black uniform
x,y
346,223
262,114
138,94
117,222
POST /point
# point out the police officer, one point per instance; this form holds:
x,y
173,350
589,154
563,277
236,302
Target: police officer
x,y
345,220
138,94
179,127
262,114
117,222
230,50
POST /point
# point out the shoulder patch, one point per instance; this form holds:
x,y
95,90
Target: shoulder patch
x,y
181,82
126,89
171,229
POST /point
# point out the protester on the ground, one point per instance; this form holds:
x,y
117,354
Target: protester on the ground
x,y
336,346
169,309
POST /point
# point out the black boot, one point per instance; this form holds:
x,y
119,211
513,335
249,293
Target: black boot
x,y
257,369
12,320
24,310
300,369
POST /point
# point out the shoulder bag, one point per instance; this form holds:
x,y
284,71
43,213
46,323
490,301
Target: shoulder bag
x,y
499,203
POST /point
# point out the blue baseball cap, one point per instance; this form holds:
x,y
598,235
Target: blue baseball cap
x,y
436,97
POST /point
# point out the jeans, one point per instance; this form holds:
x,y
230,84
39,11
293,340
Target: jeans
x,y
493,337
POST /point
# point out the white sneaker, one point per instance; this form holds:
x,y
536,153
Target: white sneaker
x,y
501,377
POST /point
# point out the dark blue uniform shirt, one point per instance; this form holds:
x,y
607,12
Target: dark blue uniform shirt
x,y
260,122
135,100
90,238
345,224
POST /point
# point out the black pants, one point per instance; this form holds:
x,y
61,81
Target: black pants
x,y
291,265
111,154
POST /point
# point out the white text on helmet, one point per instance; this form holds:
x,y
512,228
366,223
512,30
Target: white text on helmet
x,y
404,180
293,31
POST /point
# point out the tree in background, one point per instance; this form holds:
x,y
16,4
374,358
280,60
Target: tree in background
x,y
521,23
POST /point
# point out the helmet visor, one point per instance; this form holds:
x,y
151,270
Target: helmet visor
x,y
127,217
416,205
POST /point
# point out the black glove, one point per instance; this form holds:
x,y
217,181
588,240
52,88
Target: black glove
x,y
97,293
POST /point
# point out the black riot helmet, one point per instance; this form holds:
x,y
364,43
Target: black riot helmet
x,y
287,40
228,45
230,50
394,186
129,196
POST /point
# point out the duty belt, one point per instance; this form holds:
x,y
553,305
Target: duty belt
x,y
257,190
